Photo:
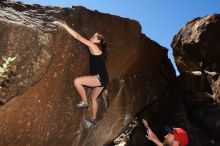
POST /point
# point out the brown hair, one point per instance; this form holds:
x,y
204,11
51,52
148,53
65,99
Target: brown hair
x,y
102,45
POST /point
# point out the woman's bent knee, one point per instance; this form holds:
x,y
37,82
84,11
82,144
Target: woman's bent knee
x,y
76,81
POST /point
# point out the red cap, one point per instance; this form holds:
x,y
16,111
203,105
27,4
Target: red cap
x,y
181,136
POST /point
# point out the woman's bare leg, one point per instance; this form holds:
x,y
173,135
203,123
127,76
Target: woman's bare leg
x,y
90,81
95,93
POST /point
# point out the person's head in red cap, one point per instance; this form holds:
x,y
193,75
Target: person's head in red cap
x,y
177,137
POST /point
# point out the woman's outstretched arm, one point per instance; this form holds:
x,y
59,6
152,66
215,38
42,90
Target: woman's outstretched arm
x,y
92,47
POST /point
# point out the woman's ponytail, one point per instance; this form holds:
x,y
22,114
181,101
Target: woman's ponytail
x,y
102,43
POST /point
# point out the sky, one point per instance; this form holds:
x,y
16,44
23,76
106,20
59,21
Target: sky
x,y
160,19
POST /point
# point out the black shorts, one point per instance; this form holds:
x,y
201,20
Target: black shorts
x,y
103,80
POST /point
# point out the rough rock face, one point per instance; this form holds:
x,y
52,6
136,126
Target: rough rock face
x,y
196,46
40,110
197,52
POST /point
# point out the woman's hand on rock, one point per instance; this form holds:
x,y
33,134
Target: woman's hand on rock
x,y
59,23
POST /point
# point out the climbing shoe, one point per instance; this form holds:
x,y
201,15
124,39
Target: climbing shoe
x,y
82,105
92,121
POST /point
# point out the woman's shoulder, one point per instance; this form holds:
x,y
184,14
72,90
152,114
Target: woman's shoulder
x,y
95,51
97,55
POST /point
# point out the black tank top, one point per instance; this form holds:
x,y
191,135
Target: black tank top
x,y
97,66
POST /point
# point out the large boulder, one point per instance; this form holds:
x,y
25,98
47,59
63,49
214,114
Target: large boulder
x,y
37,107
196,46
196,50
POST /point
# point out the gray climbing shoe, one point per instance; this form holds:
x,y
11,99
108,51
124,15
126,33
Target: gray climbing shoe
x,y
92,121
89,123
82,105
